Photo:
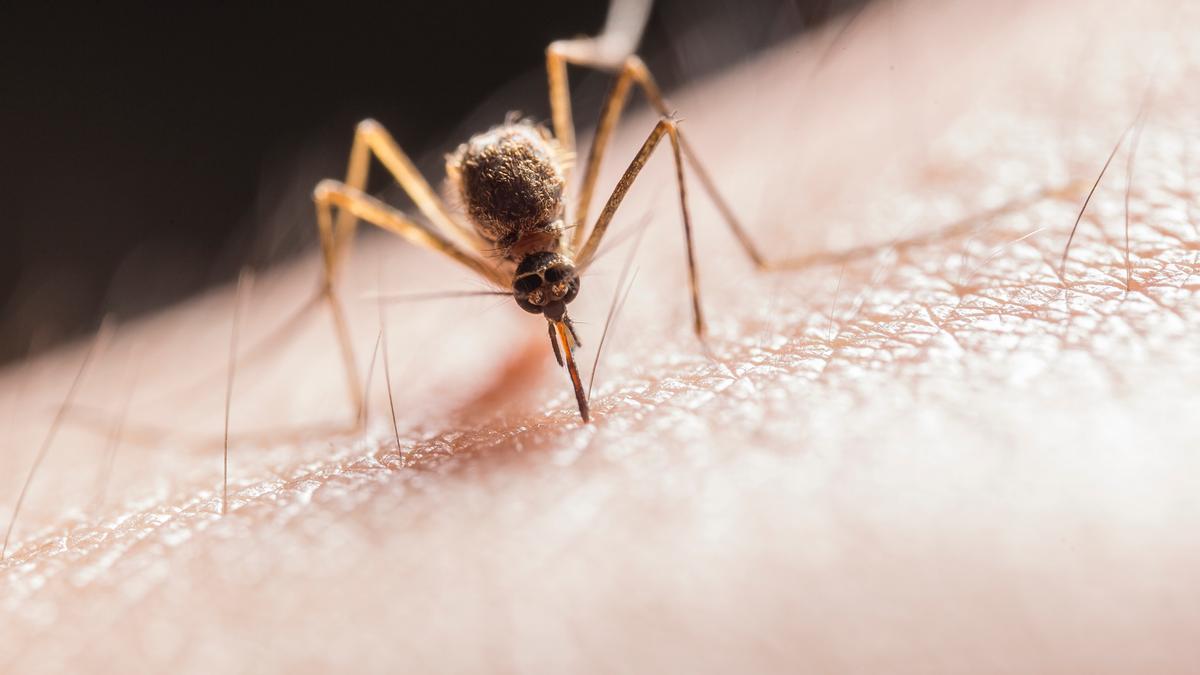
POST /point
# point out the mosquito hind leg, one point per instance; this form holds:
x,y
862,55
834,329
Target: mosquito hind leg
x,y
606,51
631,70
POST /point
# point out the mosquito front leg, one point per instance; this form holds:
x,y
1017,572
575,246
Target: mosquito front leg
x,y
353,204
665,127
582,52
347,199
446,235
370,138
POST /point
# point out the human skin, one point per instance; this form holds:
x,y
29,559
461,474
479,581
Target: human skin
x,y
934,454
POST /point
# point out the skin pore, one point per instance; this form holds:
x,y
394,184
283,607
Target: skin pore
x,y
939,454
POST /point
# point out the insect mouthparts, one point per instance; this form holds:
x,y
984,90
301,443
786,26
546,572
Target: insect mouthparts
x,y
555,311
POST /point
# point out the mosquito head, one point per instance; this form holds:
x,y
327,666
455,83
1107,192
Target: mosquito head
x,y
545,283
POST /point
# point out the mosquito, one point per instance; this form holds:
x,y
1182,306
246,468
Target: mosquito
x,y
513,226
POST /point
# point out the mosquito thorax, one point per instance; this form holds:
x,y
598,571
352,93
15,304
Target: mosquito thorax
x,y
509,181
545,283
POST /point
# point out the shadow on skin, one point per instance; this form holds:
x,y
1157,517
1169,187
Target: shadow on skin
x,y
938,454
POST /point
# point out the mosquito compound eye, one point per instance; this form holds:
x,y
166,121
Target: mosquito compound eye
x,y
572,290
527,283
524,304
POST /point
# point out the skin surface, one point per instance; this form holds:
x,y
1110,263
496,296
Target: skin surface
x,y
936,455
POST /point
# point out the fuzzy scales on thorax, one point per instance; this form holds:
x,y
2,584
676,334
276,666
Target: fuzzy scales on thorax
x,y
509,182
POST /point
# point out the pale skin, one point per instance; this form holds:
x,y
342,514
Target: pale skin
x,y
936,455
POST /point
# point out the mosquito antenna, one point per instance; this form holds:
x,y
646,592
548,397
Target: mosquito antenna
x,y
102,338
245,281
618,300
432,295
616,242
613,311
1062,265
370,374
387,374
118,432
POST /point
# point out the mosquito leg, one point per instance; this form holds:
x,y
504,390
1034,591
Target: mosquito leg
x,y
614,105
665,127
650,88
632,70
352,201
607,51
371,138
558,54
330,194
560,96
336,236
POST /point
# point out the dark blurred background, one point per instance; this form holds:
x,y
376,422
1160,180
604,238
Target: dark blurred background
x,y
149,152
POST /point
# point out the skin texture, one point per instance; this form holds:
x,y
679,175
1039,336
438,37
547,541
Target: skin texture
x,y
939,454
